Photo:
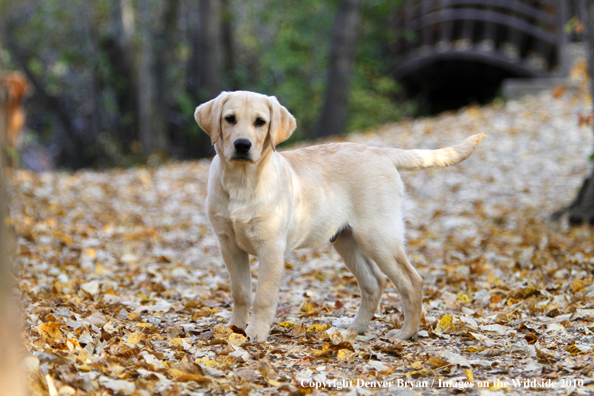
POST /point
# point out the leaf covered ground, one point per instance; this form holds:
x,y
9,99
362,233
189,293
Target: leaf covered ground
x,y
124,291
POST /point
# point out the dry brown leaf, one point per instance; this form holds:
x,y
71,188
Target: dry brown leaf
x,y
135,338
51,331
436,362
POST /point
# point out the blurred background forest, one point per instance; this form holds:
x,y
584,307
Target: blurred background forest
x,y
115,81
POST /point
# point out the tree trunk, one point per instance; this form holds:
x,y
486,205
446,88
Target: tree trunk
x,y
165,43
582,209
334,115
205,63
193,65
11,379
228,46
152,122
121,53
210,47
206,37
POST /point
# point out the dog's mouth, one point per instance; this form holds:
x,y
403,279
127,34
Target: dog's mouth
x,y
241,158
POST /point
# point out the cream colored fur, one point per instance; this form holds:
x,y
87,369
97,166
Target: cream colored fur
x,y
267,203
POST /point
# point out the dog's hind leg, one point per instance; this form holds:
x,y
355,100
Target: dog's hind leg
x,y
387,250
370,279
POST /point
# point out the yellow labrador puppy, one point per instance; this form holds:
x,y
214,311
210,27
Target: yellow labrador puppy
x,y
264,203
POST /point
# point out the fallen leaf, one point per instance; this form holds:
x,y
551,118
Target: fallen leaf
x,y
436,362
345,355
51,331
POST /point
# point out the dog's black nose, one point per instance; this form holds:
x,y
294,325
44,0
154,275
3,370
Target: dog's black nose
x,y
242,146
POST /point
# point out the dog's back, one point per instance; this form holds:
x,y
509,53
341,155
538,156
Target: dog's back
x,y
332,160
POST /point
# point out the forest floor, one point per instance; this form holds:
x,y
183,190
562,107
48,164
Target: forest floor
x,y
124,291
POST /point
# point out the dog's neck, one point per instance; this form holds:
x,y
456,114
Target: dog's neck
x,y
247,178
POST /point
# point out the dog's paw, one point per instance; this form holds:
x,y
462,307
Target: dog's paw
x,y
401,335
257,333
342,323
358,329
237,323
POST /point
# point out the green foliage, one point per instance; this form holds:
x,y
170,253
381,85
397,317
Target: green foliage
x,y
375,95
285,45
286,53
187,105
372,100
280,48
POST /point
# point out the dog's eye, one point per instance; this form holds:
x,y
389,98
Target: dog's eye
x,y
230,119
259,122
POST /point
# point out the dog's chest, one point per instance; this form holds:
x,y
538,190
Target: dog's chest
x,y
241,224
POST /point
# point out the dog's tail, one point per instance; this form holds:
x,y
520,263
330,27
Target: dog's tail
x,y
422,159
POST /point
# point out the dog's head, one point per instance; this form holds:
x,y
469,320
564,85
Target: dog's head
x,y
242,125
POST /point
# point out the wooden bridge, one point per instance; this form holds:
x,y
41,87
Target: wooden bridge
x,y
495,38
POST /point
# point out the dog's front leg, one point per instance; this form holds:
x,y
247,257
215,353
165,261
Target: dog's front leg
x,y
238,266
266,299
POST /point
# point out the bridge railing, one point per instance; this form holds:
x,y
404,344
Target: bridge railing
x,y
524,36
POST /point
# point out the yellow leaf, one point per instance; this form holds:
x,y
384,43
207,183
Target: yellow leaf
x,y
446,321
272,382
236,339
529,291
65,239
574,349
133,315
577,285
221,332
51,331
135,338
469,375
475,349
208,363
317,328
99,270
445,324
175,373
90,252
177,342
463,297
73,344
306,307
420,373
287,324
494,280
436,362
345,354
324,351
417,365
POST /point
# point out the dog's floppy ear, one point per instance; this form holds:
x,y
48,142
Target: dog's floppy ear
x,y
282,123
208,116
